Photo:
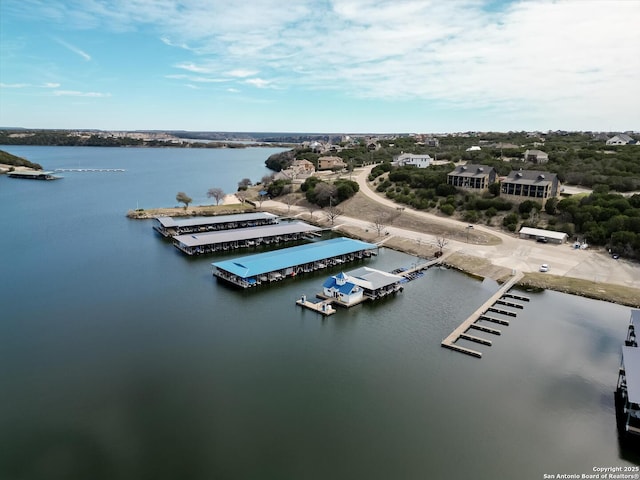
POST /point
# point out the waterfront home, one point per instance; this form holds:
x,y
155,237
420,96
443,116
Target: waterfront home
x,y
472,177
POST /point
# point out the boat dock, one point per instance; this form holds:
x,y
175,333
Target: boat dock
x,y
267,267
480,315
90,170
323,307
171,227
233,239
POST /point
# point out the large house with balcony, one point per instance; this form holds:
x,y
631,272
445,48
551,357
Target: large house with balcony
x,y
472,177
521,185
420,161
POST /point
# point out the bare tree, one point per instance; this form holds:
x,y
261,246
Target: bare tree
x,y
182,197
379,223
262,196
216,193
441,242
242,195
312,208
333,213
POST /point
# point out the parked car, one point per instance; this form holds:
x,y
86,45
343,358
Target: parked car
x,y
544,267
615,256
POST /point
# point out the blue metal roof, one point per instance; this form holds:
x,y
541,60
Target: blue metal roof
x,y
261,263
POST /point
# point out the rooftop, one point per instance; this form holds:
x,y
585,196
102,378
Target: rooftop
x,y
170,222
372,279
531,177
471,170
258,264
209,238
539,232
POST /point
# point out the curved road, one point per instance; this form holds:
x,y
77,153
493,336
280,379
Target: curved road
x,y
512,252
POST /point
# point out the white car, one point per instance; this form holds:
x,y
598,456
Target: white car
x,y
544,267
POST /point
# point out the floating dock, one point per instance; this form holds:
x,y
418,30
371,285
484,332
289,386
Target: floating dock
x,y
480,314
267,267
33,175
233,239
109,170
170,226
324,307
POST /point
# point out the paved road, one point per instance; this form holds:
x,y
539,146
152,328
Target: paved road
x,y
512,252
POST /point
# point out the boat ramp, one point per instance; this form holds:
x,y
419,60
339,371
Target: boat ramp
x,y
485,313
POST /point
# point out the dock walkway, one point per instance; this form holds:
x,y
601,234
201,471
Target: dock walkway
x,y
460,332
324,307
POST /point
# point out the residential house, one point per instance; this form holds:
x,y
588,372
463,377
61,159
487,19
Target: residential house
x,y
521,185
299,169
330,163
472,177
621,139
536,156
420,161
473,148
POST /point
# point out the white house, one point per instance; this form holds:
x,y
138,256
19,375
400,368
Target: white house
x,y
420,161
621,139
474,148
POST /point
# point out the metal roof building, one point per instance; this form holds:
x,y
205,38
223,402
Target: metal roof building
x,y
170,226
535,233
210,242
275,265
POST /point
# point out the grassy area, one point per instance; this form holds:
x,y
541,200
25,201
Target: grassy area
x,y
200,210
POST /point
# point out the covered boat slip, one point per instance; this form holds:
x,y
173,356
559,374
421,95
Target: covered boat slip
x,y
254,270
628,391
170,226
33,175
211,242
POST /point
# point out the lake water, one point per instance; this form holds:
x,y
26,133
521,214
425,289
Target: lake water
x,y
120,358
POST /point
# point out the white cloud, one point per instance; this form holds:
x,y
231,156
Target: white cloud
x,y
75,93
51,85
14,85
539,58
258,82
241,72
73,49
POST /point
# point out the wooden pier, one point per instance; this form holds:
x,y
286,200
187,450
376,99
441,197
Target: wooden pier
x,y
480,314
324,307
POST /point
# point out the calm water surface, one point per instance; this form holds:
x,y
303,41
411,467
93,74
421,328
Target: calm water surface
x,y
120,358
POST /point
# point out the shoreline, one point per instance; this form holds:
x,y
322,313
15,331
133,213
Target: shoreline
x,y
469,264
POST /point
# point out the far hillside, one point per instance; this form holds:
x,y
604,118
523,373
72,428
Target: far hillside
x,y
8,159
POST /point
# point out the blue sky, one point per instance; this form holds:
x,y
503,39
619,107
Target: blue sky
x,y
356,66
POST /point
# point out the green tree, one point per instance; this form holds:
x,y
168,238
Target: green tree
x,y
182,197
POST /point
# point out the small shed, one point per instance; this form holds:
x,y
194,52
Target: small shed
x,y
543,235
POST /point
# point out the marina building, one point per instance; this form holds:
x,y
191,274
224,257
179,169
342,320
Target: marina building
x,y
231,239
542,235
361,284
170,226
253,270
